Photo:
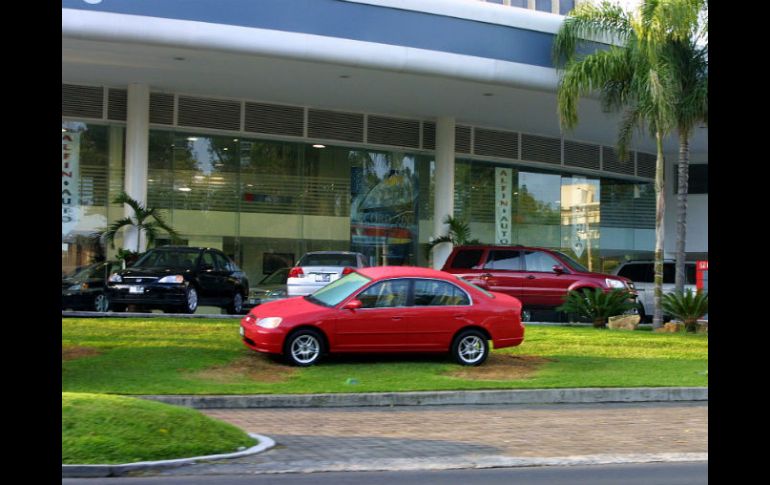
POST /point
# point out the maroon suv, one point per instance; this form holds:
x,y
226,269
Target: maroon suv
x,y
540,278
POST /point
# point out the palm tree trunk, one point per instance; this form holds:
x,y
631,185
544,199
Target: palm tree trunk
x,y
660,209
681,209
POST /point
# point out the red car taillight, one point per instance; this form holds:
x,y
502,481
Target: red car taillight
x,y
347,270
296,272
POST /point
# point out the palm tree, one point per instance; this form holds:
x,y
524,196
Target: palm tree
x,y
145,220
459,234
685,50
629,75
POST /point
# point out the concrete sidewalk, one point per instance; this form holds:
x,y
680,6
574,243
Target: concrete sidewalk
x,y
453,437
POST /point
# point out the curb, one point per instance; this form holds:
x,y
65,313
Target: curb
x,y
89,471
437,398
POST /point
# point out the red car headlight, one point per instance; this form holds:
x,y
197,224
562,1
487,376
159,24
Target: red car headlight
x,y
249,319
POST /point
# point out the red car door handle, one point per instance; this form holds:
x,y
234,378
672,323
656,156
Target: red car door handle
x,y
530,277
486,275
396,318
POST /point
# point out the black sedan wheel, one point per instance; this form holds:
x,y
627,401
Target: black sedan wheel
x,y
470,348
191,300
101,303
303,348
236,304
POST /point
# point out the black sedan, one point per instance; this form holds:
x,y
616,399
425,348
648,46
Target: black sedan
x,y
177,279
84,289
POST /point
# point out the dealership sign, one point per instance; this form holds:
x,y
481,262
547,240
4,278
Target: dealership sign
x,y
503,205
70,194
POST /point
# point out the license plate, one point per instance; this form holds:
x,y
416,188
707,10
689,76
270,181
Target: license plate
x,y
322,277
241,331
136,289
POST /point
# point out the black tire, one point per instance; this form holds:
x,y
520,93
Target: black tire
x,y
303,348
643,317
236,304
191,300
470,347
101,303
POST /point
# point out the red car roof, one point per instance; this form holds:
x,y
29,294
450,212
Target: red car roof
x,y
404,271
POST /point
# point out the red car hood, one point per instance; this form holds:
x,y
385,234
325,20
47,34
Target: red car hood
x,y
296,307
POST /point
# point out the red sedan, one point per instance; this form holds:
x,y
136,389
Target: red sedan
x,y
387,309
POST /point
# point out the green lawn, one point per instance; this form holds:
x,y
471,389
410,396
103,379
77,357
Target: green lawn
x,y
99,429
167,356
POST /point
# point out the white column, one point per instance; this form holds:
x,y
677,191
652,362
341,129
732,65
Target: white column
x,y
137,147
443,202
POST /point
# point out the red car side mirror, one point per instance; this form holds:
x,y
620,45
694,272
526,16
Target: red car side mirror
x,y
558,269
352,305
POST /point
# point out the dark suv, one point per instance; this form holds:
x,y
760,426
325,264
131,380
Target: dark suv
x,y
540,278
177,279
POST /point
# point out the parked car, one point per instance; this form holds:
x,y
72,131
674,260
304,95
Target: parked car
x,y
540,278
270,288
177,279
642,273
317,269
387,309
84,289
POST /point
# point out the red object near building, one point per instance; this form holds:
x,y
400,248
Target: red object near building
x,y
702,275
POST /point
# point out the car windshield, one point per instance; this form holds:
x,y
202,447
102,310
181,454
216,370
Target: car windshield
x,y
83,274
277,277
333,293
163,258
574,264
328,259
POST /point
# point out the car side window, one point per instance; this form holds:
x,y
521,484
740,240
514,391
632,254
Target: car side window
x,y
390,293
504,260
467,258
438,293
208,259
634,272
222,263
689,273
539,261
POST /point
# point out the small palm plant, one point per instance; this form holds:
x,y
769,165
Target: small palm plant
x,y
596,305
146,220
459,234
687,307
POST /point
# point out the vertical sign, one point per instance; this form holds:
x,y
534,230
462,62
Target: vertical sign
x,y
70,194
503,205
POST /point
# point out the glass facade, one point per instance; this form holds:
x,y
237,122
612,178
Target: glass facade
x,y
597,221
266,203
92,175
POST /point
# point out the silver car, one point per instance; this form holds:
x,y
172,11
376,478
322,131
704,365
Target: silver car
x,y
317,269
643,275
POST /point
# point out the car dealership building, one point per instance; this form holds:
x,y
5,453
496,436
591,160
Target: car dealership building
x,y
274,127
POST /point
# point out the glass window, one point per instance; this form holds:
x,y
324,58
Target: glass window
x,y
467,258
543,5
333,293
222,263
504,259
565,6
328,260
539,261
638,272
208,260
177,259
390,293
277,277
438,293
574,264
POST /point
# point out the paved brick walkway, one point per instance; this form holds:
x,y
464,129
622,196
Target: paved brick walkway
x,y
371,438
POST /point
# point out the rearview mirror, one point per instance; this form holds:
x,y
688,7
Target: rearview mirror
x,y
352,305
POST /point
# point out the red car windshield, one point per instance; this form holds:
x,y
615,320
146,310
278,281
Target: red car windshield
x,y
333,293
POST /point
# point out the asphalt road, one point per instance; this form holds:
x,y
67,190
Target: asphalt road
x,y
642,474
